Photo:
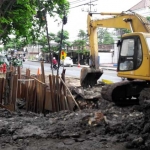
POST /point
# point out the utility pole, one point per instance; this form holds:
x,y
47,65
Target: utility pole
x,y
64,21
48,42
90,4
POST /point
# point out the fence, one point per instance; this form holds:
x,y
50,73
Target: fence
x,y
36,95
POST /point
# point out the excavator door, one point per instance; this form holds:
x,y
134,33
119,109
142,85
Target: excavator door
x,y
133,57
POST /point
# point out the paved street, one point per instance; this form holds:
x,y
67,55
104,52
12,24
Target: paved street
x,y
71,71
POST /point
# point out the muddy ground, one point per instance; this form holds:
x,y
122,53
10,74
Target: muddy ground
x,y
104,127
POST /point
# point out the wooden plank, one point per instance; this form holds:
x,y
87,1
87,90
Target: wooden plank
x,y
15,87
57,93
54,92
51,91
11,87
10,107
30,101
27,72
44,99
43,72
13,69
71,103
1,89
40,94
23,90
62,102
35,98
7,88
48,102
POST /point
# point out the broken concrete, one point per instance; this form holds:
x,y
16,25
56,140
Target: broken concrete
x,y
103,126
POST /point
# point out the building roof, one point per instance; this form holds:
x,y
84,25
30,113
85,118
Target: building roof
x,y
141,4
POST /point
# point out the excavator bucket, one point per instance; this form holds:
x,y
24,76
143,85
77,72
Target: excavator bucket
x,y
89,76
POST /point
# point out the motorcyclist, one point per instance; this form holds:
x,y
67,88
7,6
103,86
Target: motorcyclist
x,y
54,62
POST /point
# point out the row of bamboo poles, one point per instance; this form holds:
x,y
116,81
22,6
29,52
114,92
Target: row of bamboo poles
x,y
37,95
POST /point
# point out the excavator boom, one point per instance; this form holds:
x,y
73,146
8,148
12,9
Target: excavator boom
x,y
130,21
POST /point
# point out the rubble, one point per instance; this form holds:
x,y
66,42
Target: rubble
x,y
99,125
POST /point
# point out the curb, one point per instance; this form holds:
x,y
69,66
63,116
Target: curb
x,y
105,68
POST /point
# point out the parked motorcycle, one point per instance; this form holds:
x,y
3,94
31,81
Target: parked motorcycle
x,y
16,62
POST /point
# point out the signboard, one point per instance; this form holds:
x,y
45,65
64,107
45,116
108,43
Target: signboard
x,y
63,55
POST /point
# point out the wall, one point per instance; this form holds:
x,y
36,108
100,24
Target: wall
x,y
105,57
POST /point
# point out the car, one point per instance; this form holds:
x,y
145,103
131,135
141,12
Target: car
x,y
67,62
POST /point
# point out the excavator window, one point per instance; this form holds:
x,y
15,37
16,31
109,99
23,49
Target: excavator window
x,y
139,54
130,54
127,47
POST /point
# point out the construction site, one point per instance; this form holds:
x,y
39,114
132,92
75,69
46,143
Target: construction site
x,y
42,112
56,112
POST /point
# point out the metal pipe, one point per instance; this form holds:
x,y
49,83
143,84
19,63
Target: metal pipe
x,y
108,13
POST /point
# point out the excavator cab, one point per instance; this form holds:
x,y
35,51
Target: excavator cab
x,y
133,62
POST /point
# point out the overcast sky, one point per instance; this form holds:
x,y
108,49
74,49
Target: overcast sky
x,y
77,18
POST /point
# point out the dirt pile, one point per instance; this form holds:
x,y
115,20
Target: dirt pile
x,y
107,127
100,125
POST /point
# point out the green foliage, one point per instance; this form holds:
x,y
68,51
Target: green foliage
x,y
15,43
1,49
56,38
148,18
19,17
65,36
100,34
104,37
108,39
80,43
122,31
82,35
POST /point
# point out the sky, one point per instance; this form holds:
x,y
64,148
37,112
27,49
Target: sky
x,y
77,19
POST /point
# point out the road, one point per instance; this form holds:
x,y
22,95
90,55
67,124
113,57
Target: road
x,y
70,71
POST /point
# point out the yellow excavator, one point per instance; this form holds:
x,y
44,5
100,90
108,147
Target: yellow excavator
x,y
134,56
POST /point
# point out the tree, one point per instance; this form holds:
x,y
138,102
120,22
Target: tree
x,y
15,43
65,37
104,37
122,31
82,35
148,18
18,16
56,38
100,34
81,43
108,38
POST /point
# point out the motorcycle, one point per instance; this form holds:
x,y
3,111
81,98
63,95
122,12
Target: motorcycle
x,y
16,62
55,67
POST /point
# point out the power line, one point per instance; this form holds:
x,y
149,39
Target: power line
x,y
77,1
83,4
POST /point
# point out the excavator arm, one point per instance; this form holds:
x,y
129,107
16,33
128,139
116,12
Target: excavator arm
x,y
130,21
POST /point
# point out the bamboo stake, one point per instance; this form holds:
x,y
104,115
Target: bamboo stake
x,y
70,93
44,84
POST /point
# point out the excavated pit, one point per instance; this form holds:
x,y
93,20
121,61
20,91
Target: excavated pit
x,y
102,127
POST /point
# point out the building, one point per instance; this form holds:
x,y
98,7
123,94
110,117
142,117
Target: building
x,y
142,8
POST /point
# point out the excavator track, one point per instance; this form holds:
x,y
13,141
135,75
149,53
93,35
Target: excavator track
x,y
123,92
